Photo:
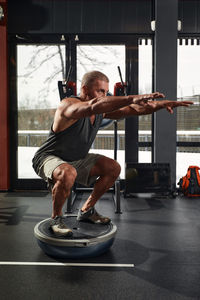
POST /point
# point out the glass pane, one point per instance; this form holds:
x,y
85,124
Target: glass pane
x,y
188,88
145,87
38,70
104,58
186,157
144,155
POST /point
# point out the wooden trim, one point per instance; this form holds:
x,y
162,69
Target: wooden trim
x,y
4,137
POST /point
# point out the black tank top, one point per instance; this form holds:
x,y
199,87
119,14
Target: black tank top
x,y
73,143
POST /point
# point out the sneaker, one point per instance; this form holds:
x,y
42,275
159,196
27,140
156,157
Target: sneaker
x,y
59,227
92,216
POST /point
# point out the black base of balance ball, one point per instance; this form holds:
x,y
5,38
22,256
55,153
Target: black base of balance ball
x,y
88,239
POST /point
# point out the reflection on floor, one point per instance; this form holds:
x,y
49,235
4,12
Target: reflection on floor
x,y
160,236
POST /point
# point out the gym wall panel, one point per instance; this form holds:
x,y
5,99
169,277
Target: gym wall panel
x,y
79,16
188,13
69,19
137,18
43,13
25,16
96,15
116,16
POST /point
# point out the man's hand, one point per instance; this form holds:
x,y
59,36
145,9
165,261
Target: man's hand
x,y
172,104
168,104
142,99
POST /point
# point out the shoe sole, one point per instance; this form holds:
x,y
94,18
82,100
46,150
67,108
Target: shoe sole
x,y
68,234
92,222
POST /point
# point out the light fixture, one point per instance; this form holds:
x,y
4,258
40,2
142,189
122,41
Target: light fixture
x,y
153,25
1,13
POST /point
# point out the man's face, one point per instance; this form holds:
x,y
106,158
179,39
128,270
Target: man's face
x,y
98,89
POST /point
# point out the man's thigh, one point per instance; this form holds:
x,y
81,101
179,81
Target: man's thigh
x,y
105,166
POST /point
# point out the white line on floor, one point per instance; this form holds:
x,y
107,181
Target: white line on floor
x,y
26,263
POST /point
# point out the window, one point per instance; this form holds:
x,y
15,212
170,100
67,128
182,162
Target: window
x,y
106,59
39,67
145,87
188,120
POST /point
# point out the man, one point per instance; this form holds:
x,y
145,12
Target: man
x,y
64,159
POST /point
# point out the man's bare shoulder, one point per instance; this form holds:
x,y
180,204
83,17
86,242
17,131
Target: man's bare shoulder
x,y
61,121
66,103
70,100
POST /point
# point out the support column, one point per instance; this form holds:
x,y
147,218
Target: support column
x,y
131,124
165,81
4,149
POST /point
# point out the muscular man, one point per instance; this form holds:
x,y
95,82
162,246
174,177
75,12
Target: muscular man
x,y
64,158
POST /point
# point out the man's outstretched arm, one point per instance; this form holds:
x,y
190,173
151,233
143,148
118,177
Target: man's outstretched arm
x,y
72,108
146,108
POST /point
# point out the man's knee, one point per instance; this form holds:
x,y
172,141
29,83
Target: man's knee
x,y
111,167
64,176
116,169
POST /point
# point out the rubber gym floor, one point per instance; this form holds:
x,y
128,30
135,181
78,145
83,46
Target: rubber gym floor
x,y
159,236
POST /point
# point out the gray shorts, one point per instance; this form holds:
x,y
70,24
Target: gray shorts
x,y
82,166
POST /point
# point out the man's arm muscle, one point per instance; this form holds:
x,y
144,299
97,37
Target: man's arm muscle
x,y
72,108
147,108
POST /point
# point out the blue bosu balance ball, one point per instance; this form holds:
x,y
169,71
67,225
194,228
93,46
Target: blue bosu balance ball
x,y
88,239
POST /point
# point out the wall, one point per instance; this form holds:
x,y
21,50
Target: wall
x,y
93,16
188,13
79,16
